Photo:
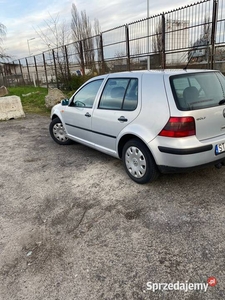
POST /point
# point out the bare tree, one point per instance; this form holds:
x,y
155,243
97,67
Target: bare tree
x,y
2,35
97,31
83,36
157,39
55,36
201,48
2,31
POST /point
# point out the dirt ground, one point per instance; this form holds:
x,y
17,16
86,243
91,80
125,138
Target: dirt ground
x,y
73,226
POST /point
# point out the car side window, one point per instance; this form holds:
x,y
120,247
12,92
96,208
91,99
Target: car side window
x,y
86,96
120,94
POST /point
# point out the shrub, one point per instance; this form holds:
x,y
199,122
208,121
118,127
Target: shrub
x,y
74,82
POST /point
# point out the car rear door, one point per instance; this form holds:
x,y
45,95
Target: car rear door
x,y
118,106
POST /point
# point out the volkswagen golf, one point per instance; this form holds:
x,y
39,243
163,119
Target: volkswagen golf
x,y
154,121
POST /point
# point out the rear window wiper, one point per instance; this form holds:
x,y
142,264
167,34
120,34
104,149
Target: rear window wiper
x,y
222,102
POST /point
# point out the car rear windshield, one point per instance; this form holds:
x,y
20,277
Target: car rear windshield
x,y
198,90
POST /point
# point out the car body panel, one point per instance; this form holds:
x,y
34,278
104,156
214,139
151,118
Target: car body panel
x,y
79,127
192,145
107,124
210,121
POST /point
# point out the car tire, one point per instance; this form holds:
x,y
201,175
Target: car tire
x,y
58,133
138,162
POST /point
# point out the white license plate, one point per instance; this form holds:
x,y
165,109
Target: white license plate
x,y
220,148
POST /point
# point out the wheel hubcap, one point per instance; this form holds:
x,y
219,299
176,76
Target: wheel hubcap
x,y
59,132
135,162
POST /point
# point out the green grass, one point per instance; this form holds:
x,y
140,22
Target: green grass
x,y
32,98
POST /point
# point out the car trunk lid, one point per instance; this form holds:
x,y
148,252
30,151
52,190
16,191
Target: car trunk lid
x,y
209,122
201,95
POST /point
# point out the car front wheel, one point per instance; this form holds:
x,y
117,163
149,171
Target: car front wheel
x,y
58,133
138,162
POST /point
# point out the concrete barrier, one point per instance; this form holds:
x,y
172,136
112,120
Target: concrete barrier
x,y
3,91
11,108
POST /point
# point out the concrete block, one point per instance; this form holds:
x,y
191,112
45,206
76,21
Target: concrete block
x,y
3,91
54,96
11,108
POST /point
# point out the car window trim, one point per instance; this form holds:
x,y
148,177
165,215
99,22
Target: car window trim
x,y
115,78
72,104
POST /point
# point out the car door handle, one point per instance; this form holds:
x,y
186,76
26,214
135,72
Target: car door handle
x,y
122,119
87,115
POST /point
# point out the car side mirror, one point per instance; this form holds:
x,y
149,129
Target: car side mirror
x,y
65,102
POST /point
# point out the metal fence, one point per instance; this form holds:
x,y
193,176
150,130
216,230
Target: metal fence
x,y
193,35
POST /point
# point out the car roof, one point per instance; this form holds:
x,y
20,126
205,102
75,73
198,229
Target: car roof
x,y
167,72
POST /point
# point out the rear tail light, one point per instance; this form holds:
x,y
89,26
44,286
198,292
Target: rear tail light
x,y
179,127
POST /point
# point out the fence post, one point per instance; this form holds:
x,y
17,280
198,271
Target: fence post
x,y
2,75
213,32
15,72
46,75
4,79
55,67
127,46
67,64
82,58
36,70
102,53
28,71
21,70
163,62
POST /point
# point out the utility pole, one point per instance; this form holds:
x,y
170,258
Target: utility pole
x,y
148,40
28,45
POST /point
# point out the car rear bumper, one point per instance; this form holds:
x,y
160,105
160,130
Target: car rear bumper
x,y
172,155
168,169
188,151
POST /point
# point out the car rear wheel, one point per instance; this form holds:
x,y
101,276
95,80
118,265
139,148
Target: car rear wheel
x,y
58,133
138,162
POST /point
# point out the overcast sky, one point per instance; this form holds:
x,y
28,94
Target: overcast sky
x,y
22,18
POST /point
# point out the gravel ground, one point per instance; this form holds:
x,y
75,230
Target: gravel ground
x,y
73,226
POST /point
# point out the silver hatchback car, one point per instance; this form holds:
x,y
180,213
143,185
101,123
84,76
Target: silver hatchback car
x,y
155,121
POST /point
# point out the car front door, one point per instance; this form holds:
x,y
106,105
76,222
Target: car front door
x,y
78,115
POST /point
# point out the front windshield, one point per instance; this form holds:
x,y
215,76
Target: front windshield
x,y
198,90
